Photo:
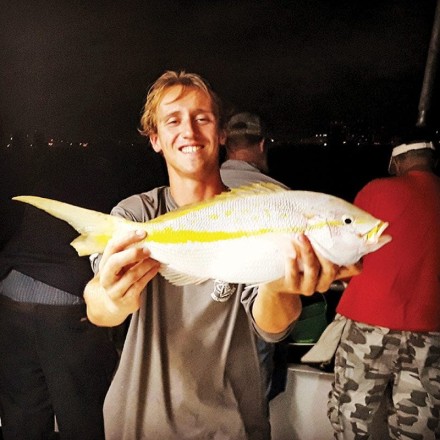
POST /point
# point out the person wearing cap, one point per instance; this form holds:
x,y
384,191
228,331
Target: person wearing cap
x,y
246,151
390,345
246,163
411,155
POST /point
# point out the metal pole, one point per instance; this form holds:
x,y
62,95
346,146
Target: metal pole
x,y
430,70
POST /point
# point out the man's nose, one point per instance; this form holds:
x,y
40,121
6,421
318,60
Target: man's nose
x,y
188,128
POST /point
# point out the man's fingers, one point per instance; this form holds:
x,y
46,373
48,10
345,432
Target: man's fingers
x,y
308,271
311,266
122,241
117,264
134,282
346,272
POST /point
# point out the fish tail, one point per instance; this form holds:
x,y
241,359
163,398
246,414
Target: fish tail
x,y
95,227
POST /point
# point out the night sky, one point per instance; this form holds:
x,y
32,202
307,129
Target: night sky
x,y
81,69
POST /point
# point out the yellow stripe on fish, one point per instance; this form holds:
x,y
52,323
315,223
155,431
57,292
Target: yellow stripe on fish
x,y
181,236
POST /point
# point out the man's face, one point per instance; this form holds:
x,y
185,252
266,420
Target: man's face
x,y
187,132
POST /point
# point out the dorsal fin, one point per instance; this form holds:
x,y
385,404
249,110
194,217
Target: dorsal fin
x,y
254,188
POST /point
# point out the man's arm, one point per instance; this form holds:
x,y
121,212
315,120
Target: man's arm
x,y
124,270
278,303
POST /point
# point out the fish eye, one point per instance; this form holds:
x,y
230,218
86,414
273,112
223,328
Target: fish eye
x,y
347,220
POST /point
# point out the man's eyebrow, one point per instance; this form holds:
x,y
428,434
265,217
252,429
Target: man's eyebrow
x,y
179,112
200,111
169,115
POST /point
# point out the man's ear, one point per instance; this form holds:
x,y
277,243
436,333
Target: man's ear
x,y
222,137
154,140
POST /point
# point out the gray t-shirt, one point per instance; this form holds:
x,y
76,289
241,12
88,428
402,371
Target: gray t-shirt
x,y
189,367
238,172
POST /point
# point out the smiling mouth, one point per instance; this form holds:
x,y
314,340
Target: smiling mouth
x,y
190,149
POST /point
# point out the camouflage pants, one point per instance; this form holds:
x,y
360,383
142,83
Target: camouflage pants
x,y
375,363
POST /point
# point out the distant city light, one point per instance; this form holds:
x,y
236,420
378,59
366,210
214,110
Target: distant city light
x,y
357,134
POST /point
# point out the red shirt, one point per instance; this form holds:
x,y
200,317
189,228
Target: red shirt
x,y
399,287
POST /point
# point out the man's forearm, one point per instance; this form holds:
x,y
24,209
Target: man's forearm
x,y
274,311
100,310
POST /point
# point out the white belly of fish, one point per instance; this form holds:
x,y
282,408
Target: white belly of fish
x,y
249,260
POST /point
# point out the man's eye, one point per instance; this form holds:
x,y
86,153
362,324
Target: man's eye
x,y
202,119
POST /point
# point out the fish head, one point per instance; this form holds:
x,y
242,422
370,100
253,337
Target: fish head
x,y
346,234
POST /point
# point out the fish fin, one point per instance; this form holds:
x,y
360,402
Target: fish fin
x,y
179,278
95,227
254,188
89,244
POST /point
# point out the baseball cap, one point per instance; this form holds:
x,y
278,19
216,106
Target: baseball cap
x,y
404,148
244,124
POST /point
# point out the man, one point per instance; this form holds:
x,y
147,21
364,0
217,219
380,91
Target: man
x,y
246,151
391,342
246,162
189,367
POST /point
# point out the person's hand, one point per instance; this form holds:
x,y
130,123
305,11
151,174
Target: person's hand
x,y
278,302
124,271
306,272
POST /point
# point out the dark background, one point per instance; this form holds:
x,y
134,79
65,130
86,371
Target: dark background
x,y
80,70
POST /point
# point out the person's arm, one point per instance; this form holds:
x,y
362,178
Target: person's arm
x,y
278,303
115,291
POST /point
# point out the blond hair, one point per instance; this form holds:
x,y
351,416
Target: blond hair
x,y
169,79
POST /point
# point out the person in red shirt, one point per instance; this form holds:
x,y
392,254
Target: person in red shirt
x,y
390,345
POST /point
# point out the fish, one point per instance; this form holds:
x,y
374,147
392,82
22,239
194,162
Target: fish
x,y
239,236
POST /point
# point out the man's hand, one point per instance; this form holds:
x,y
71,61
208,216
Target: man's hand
x,y
278,304
307,272
124,271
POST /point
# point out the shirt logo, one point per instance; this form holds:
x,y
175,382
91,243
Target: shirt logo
x,y
223,291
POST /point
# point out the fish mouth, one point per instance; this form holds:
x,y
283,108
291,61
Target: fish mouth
x,y
375,233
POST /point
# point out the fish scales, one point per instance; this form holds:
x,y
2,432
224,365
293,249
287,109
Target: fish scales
x,y
231,219
241,236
